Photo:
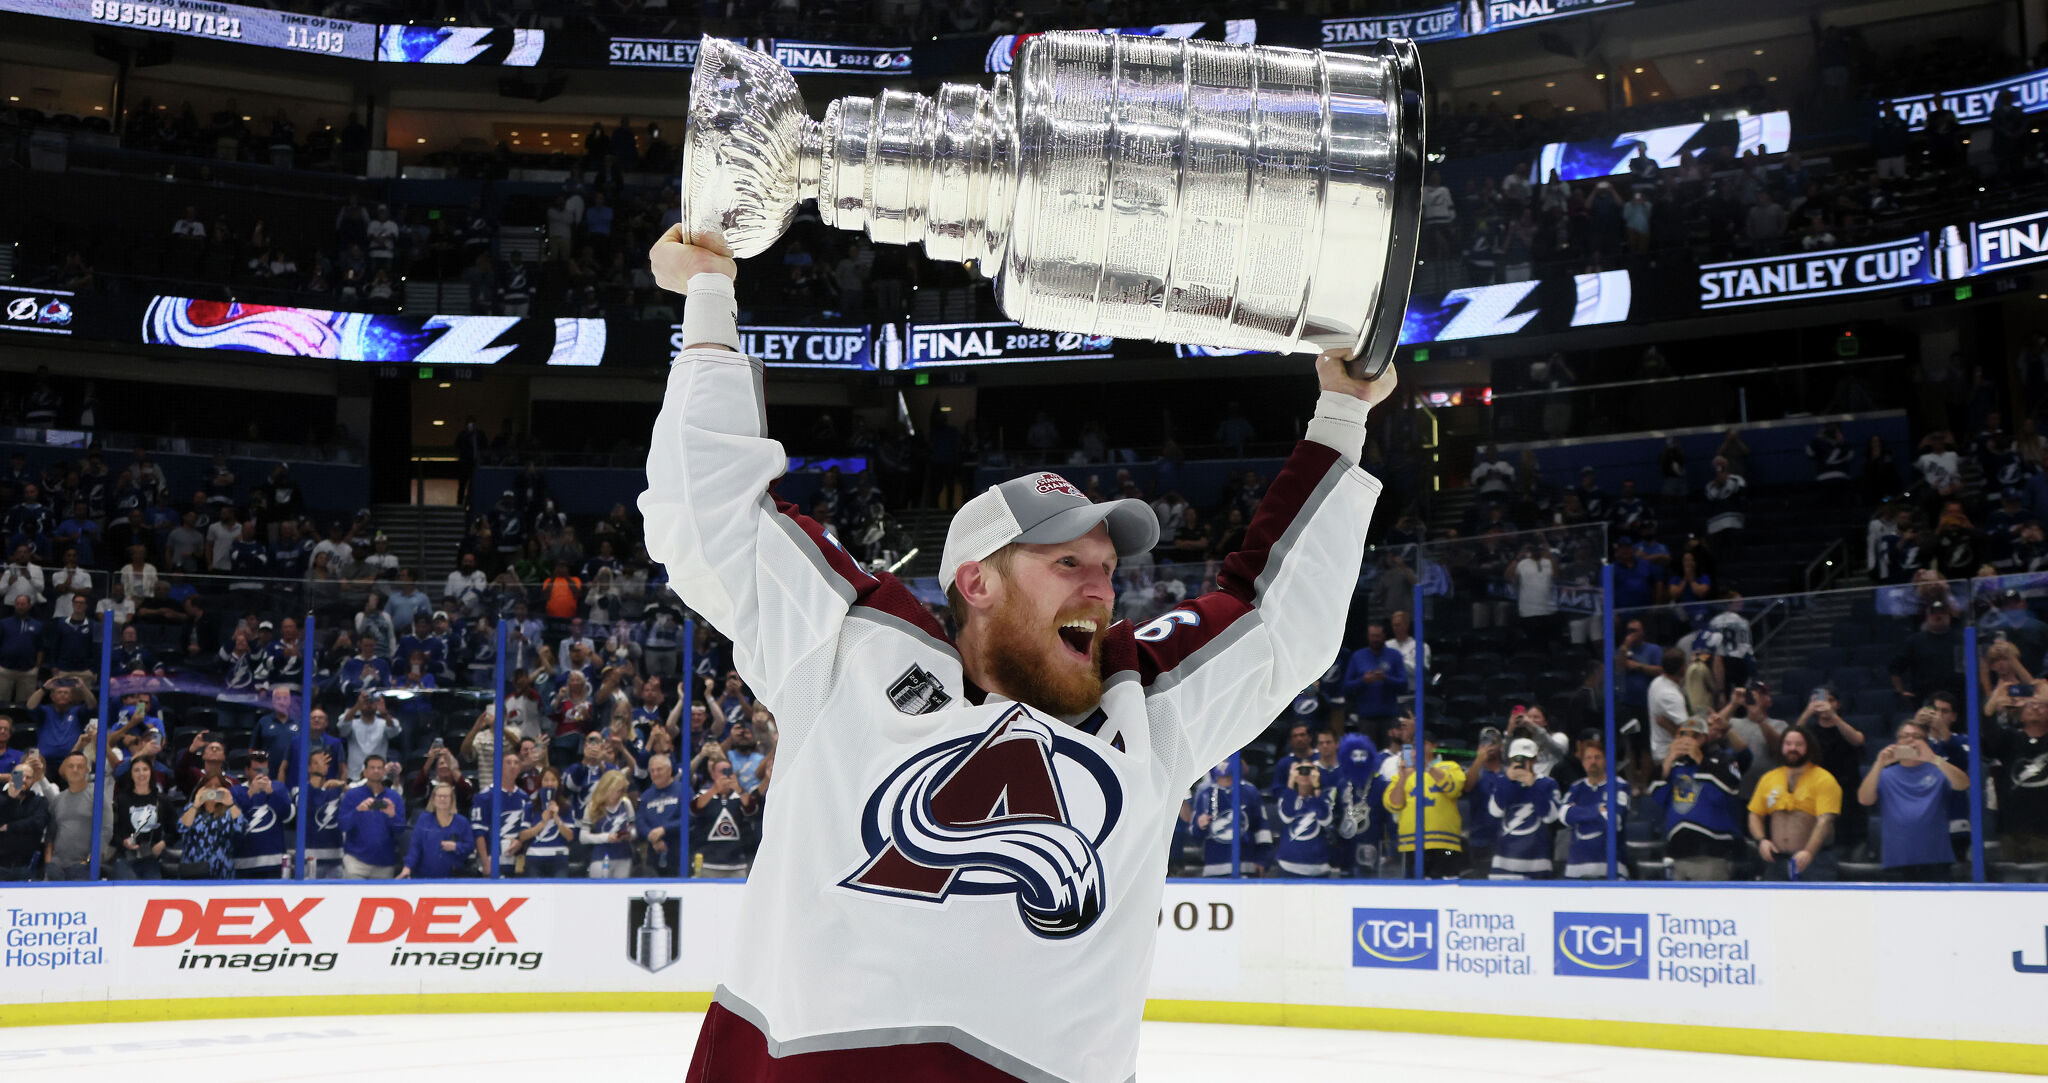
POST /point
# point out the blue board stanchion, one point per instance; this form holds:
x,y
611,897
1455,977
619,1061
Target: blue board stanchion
x,y
1971,708
100,770
497,869
1420,793
685,748
304,753
1613,760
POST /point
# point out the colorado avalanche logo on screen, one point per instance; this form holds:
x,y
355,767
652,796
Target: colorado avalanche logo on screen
x,y
1017,810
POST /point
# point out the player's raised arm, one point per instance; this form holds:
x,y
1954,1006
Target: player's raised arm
x,y
1224,664
764,576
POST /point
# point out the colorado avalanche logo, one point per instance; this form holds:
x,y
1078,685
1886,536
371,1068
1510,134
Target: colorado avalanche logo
x,y
1018,810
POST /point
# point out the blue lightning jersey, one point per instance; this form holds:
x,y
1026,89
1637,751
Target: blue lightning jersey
x,y
1524,813
263,842
1226,823
1585,814
1304,845
323,822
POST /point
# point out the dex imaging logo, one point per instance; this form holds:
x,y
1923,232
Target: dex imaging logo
x,y
1395,939
1602,945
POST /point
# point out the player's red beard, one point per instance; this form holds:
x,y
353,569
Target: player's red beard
x,y
1028,661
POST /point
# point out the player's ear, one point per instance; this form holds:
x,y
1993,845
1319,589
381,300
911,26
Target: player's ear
x,y
978,583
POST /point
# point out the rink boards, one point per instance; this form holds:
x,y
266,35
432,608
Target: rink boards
x,y
1950,977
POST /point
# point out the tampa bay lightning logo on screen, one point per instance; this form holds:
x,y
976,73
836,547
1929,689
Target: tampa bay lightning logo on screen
x,y
1020,809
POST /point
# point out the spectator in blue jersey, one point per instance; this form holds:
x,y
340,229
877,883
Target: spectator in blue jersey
x,y
207,831
372,815
607,827
1524,804
1698,795
1635,579
142,816
1374,680
323,815
292,554
721,818
323,737
660,816
1227,810
1354,847
1586,815
510,808
365,670
1910,785
419,638
442,840
1832,459
71,651
263,848
729,706
1939,719
1303,849
1482,827
21,649
1300,749
547,827
65,723
131,657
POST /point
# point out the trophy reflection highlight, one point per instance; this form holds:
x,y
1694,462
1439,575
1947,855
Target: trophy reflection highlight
x,y
1235,196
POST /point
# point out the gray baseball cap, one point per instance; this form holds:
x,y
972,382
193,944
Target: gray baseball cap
x,y
1040,508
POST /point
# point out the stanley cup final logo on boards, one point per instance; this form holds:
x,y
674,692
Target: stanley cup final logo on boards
x,y
654,929
1224,195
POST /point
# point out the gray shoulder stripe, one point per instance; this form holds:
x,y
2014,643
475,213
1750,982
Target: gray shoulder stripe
x,y
1277,556
897,624
881,1037
1228,638
809,549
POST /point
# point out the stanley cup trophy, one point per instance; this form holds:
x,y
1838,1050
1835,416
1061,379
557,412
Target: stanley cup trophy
x,y
1236,196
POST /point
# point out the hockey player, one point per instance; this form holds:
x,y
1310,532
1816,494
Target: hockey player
x,y
1226,810
263,849
1525,806
1586,814
961,873
1305,817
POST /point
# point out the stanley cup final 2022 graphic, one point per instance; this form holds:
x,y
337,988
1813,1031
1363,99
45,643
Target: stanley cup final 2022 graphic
x,y
1187,191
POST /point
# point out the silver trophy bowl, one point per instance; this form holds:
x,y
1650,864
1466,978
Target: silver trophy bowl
x,y
1236,196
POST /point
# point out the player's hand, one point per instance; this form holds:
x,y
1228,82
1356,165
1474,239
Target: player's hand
x,y
1333,373
674,258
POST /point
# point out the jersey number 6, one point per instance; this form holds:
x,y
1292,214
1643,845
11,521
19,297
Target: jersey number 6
x,y
1164,626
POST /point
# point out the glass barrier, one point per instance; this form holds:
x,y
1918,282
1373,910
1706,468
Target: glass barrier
x,y
1834,735
251,728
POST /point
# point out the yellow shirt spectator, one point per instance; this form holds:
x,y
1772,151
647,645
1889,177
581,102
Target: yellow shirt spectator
x,y
1815,793
1443,828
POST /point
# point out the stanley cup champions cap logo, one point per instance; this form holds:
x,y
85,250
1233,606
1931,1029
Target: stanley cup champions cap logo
x,y
654,930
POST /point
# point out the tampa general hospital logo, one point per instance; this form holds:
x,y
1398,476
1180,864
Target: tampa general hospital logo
x,y
1020,809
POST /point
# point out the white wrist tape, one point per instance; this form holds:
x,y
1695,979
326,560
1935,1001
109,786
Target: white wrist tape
x,y
710,312
1339,423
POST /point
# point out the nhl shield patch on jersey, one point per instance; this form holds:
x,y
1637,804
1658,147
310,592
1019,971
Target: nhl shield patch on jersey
x,y
918,692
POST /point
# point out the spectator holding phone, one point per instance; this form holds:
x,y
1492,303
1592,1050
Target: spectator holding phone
x,y
660,820
2005,682
441,839
369,727
1792,814
2022,753
372,815
608,827
1698,797
1525,804
65,724
263,850
547,826
1305,817
1836,746
509,809
721,816
142,813
1928,660
323,815
207,832
1910,784
1375,679
24,820
1225,810
1443,827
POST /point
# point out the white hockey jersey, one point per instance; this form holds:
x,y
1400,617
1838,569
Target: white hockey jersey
x,y
951,885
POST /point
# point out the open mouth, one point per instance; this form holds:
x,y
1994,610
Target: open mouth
x,y
1078,635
